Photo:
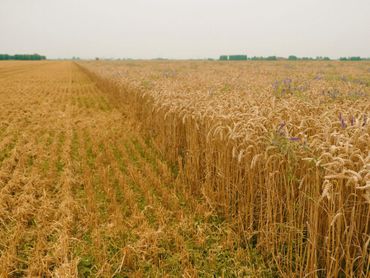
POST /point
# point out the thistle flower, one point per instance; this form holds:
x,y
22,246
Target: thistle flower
x,y
342,122
352,120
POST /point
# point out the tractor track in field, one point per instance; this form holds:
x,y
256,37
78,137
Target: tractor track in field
x,y
83,194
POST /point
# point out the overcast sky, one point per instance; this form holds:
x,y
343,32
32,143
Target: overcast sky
x,y
185,28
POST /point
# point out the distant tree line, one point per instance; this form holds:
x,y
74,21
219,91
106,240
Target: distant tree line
x,y
26,57
354,58
290,58
318,58
245,58
261,58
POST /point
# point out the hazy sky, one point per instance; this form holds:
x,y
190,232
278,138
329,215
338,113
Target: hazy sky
x,y
185,28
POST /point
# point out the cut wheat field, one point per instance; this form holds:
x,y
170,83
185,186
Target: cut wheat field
x,y
83,194
184,169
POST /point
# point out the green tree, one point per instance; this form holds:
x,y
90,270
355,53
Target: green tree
x,y
238,57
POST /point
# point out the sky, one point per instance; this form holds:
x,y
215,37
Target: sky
x,y
184,29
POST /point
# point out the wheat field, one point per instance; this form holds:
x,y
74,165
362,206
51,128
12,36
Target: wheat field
x,y
184,169
280,149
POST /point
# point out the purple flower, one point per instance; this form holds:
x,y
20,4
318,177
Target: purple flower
x,y
287,81
342,122
281,125
280,129
294,139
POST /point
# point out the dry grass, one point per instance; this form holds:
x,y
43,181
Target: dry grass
x,y
281,149
83,194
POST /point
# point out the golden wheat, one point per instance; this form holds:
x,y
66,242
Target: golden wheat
x,y
281,149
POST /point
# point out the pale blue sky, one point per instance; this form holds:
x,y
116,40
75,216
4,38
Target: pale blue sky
x,y
185,28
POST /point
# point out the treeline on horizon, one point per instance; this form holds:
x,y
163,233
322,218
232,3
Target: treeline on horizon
x,y
290,58
22,57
